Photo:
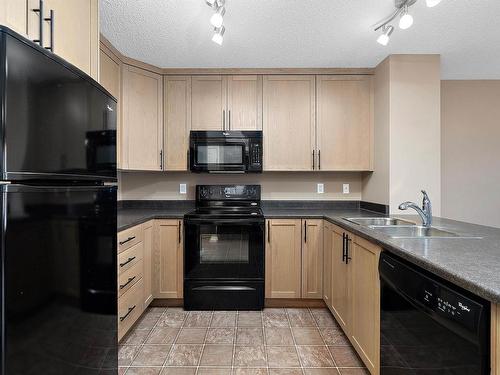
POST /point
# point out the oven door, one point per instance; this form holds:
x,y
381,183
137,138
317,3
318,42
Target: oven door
x,y
224,249
219,155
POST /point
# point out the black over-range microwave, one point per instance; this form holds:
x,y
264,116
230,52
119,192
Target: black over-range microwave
x,y
225,151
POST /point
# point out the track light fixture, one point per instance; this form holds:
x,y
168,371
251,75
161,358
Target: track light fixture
x,y
405,20
217,19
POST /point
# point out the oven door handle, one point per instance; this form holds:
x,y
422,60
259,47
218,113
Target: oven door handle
x,y
225,221
228,288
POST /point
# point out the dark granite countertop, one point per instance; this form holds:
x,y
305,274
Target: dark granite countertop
x,y
471,263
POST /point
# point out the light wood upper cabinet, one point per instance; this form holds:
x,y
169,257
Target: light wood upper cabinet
x,y
289,122
177,123
14,14
312,259
168,259
208,102
283,258
142,119
148,262
76,32
365,297
327,263
244,102
344,123
340,279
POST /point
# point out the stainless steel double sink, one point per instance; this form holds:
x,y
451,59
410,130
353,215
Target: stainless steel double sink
x,y
400,228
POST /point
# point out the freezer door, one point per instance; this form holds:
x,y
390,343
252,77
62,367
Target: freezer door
x,y
59,272
57,122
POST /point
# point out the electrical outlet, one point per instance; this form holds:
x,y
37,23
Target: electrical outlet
x,y
345,188
321,188
183,189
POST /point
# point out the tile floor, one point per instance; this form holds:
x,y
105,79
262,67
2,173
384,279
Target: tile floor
x,y
170,341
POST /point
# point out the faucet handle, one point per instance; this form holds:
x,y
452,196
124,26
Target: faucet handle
x,y
426,196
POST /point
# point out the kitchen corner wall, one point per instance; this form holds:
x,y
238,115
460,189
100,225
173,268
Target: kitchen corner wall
x,y
470,151
275,185
407,132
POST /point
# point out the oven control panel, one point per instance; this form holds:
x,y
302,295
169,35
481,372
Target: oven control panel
x,y
227,192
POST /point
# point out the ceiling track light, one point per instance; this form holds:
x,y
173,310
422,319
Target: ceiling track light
x,y
405,21
217,19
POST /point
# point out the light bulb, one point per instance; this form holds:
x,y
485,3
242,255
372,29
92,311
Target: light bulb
x,y
216,20
219,35
384,38
406,19
432,3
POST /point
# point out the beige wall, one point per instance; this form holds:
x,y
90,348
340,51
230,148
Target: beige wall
x,y
471,151
407,127
275,185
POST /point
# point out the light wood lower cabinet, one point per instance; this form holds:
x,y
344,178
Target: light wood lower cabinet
x,y
495,339
355,293
294,252
283,258
148,262
327,263
312,259
168,259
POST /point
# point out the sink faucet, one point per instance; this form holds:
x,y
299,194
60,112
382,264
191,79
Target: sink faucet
x,y
425,212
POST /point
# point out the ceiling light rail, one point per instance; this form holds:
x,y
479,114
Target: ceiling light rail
x,y
217,19
405,20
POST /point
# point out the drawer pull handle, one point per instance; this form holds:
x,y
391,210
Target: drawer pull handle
x,y
127,240
130,279
130,309
127,262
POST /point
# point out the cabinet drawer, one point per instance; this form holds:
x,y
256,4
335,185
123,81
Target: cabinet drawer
x,y
130,306
128,278
130,257
129,238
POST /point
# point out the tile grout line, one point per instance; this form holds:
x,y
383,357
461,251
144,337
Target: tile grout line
x,y
174,340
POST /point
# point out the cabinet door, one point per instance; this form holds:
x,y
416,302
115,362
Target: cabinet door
x,y
14,14
168,259
283,259
495,339
208,102
289,122
110,78
142,119
340,302
312,259
327,263
345,122
244,102
76,32
177,108
365,297
147,261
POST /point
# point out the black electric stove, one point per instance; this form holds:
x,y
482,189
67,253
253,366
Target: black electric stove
x,y
224,249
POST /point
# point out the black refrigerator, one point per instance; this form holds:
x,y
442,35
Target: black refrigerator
x,y
58,276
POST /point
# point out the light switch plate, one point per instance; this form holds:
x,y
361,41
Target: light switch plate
x,y
321,188
345,188
182,188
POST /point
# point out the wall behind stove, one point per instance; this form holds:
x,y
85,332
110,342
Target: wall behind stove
x,y
275,185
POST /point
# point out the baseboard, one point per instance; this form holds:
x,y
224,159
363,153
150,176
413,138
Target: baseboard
x,y
293,302
167,302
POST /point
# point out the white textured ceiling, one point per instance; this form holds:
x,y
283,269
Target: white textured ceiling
x,y
306,33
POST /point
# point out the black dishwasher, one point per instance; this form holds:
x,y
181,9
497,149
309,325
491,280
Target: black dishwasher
x,y
429,326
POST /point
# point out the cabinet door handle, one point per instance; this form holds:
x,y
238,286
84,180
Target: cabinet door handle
x,y
127,262
51,20
268,232
305,231
130,279
161,159
347,257
319,159
229,116
180,224
130,309
314,156
223,119
127,240
343,247
39,10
